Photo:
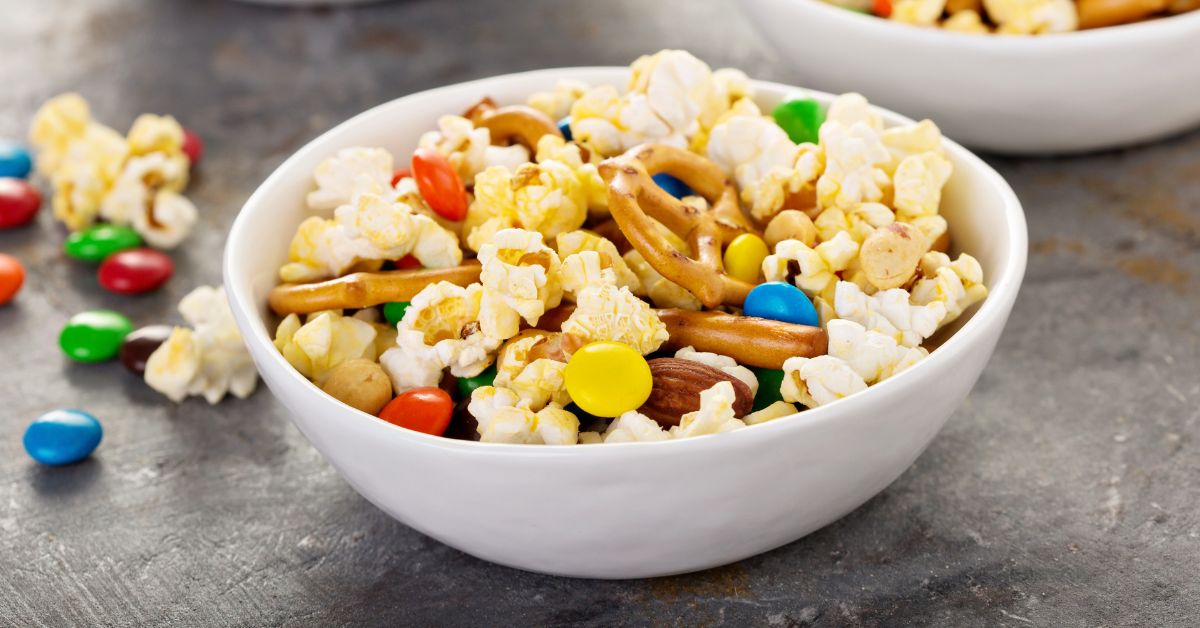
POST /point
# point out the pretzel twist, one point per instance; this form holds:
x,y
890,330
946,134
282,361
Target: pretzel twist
x,y
636,201
362,290
512,123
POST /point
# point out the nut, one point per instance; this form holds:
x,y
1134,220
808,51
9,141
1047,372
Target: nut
x,y
889,256
360,384
790,224
677,387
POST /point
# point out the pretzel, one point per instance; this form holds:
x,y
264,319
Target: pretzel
x,y
519,123
1097,13
361,290
635,202
751,341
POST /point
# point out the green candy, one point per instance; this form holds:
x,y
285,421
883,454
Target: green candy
x,y
94,336
394,311
800,118
96,243
769,383
467,385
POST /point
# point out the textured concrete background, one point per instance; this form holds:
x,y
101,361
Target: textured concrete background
x,y
1064,492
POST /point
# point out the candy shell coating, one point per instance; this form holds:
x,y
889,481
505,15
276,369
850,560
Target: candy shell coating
x,y
426,410
672,185
744,257
192,147
135,271
94,336
564,127
97,242
139,344
394,311
19,202
467,385
608,379
62,437
439,184
12,276
800,118
769,383
781,301
14,160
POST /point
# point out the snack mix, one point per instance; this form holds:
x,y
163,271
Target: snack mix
x,y
1019,17
603,265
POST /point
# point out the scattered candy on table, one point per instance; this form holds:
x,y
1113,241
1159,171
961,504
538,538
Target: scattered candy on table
x,y
135,271
12,275
14,160
140,344
610,277
62,437
19,202
192,147
94,336
96,243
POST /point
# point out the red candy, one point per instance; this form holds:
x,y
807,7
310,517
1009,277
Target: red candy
x,y
192,146
439,184
402,173
882,8
408,262
19,202
12,275
425,410
135,271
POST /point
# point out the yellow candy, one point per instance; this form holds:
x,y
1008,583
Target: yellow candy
x,y
744,257
608,379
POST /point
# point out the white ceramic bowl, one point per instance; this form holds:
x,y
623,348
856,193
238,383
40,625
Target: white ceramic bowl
x,y
637,509
1064,93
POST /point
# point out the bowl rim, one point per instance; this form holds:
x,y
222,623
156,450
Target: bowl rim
x,y
1002,291
1033,45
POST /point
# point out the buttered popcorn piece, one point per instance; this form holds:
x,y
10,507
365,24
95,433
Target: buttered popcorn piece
x,y
573,242
324,341
86,173
661,291
874,356
818,381
634,427
777,410
57,123
610,313
763,160
546,197
911,139
889,312
1032,17
966,21
503,418
583,269
855,158
557,102
146,196
722,363
715,415
523,272
152,133
955,285
210,359
555,148
919,12
441,328
350,171
917,184
818,267
469,149
536,382
858,222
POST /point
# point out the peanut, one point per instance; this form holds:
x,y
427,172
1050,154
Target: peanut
x,y
889,256
790,224
360,384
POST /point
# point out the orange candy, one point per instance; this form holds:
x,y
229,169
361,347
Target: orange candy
x,y
439,184
882,8
425,410
12,275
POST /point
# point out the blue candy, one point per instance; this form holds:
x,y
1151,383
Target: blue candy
x,y
564,127
672,186
14,160
780,301
62,436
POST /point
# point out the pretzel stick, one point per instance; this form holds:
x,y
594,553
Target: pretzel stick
x,y
361,290
519,123
749,340
1098,13
635,202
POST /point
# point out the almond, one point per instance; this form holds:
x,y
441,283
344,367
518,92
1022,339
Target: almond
x,y
677,387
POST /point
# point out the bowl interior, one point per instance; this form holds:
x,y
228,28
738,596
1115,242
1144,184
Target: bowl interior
x,y
984,215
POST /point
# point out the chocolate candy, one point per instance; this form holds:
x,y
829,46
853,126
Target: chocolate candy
x,y
14,160
564,127
135,271
62,437
800,118
394,311
12,275
138,346
769,383
608,379
463,426
19,202
94,336
467,385
672,186
781,301
96,243
192,147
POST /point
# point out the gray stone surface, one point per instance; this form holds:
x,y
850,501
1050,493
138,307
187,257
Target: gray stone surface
x,y
1064,492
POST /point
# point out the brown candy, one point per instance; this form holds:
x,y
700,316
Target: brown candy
x,y
139,344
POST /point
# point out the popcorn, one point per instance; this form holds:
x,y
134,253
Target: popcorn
x,y
722,363
819,381
442,327
157,134
546,197
573,242
858,222
1032,17
537,382
817,267
85,174
57,123
502,418
851,108
714,416
763,160
661,291
557,102
590,438
874,356
919,12
777,410
469,149
966,21
855,158
918,184
955,285
607,312
889,312
325,340
210,359
583,269
554,148
633,427
146,196
350,171
523,272
911,139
